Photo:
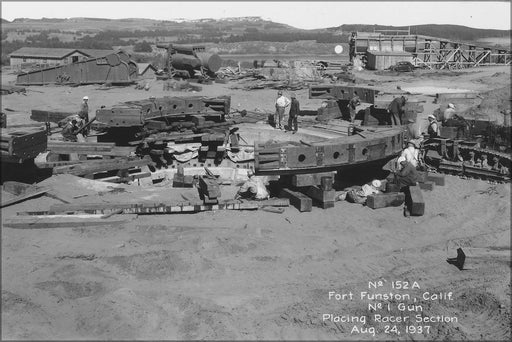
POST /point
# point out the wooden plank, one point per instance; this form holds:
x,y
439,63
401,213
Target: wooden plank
x,y
427,186
310,179
131,177
63,221
300,201
107,165
23,197
415,201
49,116
437,178
156,208
318,194
384,200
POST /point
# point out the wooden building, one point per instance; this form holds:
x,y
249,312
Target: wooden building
x,y
47,57
380,60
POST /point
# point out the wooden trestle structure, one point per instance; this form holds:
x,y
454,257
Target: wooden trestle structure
x,y
434,53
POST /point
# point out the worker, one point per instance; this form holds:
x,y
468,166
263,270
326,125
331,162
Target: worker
x,y
451,119
70,131
396,110
294,113
352,105
406,176
413,130
84,112
433,127
484,163
411,153
449,112
253,189
471,161
352,47
281,103
360,196
3,120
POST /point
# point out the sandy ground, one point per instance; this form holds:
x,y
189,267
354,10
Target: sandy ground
x,y
253,274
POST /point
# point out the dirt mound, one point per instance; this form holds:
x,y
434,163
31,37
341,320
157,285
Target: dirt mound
x,y
24,319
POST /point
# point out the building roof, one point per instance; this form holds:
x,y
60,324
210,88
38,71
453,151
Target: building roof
x,y
58,52
43,52
143,67
95,53
388,53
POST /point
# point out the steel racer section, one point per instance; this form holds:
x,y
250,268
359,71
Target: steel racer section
x,y
376,144
135,119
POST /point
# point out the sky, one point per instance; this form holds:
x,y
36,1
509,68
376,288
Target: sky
x,y
300,14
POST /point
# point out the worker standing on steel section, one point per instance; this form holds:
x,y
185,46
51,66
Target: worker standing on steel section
x,y
451,119
84,112
396,110
449,112
281,103
352,105
294,113
352,47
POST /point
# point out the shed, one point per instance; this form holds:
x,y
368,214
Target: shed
x,y
45,56
380,60
48,57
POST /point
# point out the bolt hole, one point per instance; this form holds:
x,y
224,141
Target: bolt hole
x,y
302,158
365,151
336,155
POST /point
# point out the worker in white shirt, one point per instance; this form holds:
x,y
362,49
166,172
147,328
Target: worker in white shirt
x,y
281,103
411,153
449,112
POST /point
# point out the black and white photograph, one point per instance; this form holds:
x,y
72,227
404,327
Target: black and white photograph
x,y
255,170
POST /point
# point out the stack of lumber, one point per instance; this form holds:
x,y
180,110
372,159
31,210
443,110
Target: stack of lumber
x,y
95,166
92,148
154,208
212,147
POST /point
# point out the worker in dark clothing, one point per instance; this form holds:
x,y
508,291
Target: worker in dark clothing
x,y
396,110
352,46
352,105
70,131
84,112
3,120
406,176
294,113
433,127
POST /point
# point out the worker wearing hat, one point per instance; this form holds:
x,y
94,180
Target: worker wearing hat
x,y
433,127
84,111
294,113
281,103
449,112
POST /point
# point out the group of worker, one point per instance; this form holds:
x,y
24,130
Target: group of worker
x,y
77,124
282,102
449,118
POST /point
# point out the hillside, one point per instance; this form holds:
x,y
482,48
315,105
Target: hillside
x,y
101,33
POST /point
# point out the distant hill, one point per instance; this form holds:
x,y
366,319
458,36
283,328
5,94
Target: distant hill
x,y
236,24
254,32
